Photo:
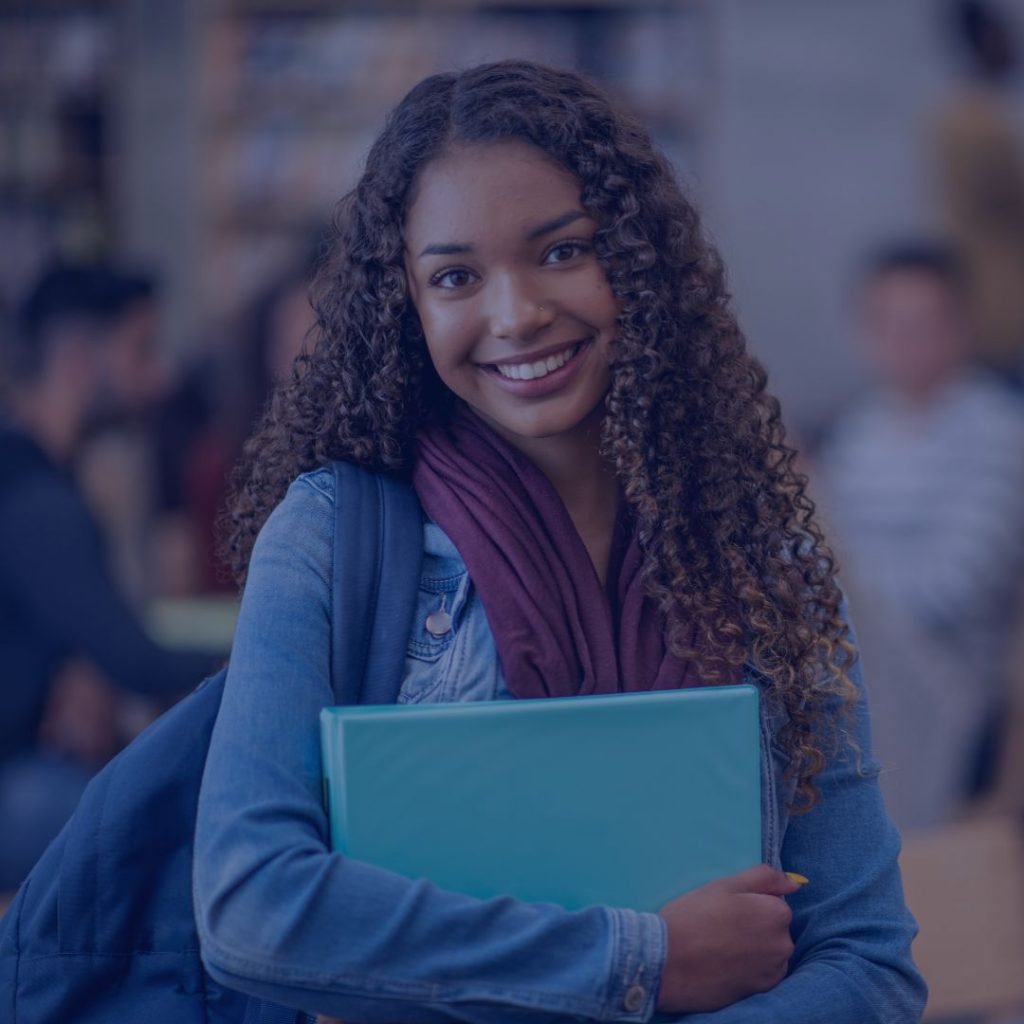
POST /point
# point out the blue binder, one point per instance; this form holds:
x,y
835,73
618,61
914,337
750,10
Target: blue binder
x,y
624,800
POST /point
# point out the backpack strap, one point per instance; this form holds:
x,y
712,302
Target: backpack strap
x,y
378,554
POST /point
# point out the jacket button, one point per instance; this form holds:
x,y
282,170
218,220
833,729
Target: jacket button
x,y
636,996
439,622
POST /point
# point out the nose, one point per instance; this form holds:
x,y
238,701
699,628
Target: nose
x,y
516,310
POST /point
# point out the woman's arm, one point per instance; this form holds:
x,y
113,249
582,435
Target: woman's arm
x,y
282,917
851,927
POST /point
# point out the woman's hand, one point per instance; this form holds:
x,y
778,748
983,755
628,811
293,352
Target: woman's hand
x,y
726,940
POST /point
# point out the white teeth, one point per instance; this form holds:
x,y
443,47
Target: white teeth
x,y
541,368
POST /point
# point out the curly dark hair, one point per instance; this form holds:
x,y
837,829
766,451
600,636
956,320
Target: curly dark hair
x,y
733,555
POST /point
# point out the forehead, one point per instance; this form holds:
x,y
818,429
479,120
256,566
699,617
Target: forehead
x,y
910,285
488,189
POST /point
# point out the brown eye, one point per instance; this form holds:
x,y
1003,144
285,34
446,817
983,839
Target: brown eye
x,y
565,251
456,277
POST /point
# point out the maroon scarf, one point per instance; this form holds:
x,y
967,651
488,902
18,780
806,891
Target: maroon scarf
x,y
559,633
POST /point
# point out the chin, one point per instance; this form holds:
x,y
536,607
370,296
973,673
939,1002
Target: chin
x,y
539,423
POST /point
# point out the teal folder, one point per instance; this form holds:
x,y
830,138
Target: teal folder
x,y
625,800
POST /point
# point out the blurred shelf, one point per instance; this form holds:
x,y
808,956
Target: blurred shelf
x,y
285,8
289,114
293,92
56,88
289,94
261,219
22,10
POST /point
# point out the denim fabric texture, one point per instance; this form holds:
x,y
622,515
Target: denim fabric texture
x,y
282,917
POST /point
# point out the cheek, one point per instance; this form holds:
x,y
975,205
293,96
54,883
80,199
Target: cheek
x,y
450,331
434,335
432,321
436,353
445,347
600,300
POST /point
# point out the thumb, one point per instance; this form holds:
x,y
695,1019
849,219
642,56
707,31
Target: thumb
x,y
761,879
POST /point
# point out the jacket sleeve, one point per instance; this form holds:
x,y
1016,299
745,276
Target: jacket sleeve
x,y
282,917
52,558
852,931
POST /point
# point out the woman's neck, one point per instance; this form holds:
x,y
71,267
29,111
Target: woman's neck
x,y
583,479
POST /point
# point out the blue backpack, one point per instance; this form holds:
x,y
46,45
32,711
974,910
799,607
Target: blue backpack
x,y
103,929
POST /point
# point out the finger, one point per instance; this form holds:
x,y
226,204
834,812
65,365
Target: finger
x,y
761,879
767,913
777,910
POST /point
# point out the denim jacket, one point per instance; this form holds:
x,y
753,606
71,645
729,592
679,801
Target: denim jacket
x,y
283,917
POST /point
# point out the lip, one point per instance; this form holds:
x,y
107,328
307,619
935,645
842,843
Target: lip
x,y
533,357
539,386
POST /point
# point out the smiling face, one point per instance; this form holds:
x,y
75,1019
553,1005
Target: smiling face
x,y
914,331
517,313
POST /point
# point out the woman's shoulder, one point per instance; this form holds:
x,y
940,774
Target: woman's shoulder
x,y
303,519
314,493
317,485
323,480
320,481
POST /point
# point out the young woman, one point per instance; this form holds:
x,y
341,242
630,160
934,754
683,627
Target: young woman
x,y
522,317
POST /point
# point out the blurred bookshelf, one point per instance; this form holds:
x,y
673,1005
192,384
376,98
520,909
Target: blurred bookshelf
x,y
211,139
56,80
294,91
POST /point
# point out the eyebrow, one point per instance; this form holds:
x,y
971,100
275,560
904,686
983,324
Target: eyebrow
x,y
452,249
457,248
553,225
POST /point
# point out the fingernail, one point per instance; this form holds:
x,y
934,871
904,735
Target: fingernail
x,y
799,879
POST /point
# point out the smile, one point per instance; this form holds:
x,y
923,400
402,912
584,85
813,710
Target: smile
x,y
540,367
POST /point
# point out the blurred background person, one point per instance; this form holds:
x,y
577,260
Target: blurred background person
x,y
980,164
923,481
204,424
275,330
81,350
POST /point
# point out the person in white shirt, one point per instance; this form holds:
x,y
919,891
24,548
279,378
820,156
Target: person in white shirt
x,y
923,482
